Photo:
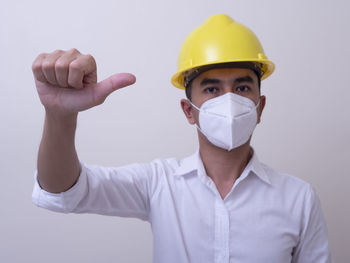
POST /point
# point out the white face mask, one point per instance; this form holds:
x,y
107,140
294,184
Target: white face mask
x,y
227,120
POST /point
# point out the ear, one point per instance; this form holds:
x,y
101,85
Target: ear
x,y
261,107
187,109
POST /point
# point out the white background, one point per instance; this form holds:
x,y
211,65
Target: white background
x,y
304,131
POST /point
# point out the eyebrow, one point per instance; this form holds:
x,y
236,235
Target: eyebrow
x,y
244,79
207,81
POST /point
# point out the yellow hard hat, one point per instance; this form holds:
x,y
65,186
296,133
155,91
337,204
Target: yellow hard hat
x,y
220,40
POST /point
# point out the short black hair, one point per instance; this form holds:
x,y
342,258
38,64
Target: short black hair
x,y
188,91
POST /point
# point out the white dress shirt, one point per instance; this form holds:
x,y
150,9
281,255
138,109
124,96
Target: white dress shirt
x,y
267,217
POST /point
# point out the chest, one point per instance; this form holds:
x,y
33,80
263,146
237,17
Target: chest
x,y
192,223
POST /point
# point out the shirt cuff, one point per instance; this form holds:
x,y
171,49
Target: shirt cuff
x,y
64,202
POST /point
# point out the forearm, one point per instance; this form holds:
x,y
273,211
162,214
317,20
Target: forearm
x,y
58,164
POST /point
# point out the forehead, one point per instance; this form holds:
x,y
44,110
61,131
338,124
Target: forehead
x,y
226,74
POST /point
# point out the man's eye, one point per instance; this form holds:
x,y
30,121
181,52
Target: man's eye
x,y
211,90
243,88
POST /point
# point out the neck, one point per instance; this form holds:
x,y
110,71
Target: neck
x,y
222,166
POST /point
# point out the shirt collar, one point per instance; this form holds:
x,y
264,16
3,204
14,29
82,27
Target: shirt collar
x,y
194,163
256,167
188,164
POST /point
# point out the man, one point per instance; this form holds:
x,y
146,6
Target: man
x,y
220,204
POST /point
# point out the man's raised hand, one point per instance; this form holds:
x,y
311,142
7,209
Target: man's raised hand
x,y
66,82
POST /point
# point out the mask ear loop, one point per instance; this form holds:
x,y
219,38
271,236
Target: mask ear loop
x,y
258,104
198,109
194,106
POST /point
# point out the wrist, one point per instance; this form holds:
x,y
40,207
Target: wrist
x,y
63,118
60,122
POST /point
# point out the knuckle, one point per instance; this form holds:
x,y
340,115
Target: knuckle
x,y
61,65
47,65
90,58
36,65
37,62
57,51
73,51
76,66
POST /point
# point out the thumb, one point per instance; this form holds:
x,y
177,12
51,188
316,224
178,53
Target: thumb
x,y
114,82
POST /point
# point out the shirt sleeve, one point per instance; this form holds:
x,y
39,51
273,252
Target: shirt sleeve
x,y
119,191
313,244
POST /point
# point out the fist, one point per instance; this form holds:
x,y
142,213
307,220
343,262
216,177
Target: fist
x,y
66,81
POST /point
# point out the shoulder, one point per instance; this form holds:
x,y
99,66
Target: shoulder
x,y
175,166
294,195
165,166
289,186
284,179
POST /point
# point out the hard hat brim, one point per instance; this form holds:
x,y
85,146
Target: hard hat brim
x,y
267,69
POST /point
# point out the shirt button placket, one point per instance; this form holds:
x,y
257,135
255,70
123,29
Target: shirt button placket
x,y
222,232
